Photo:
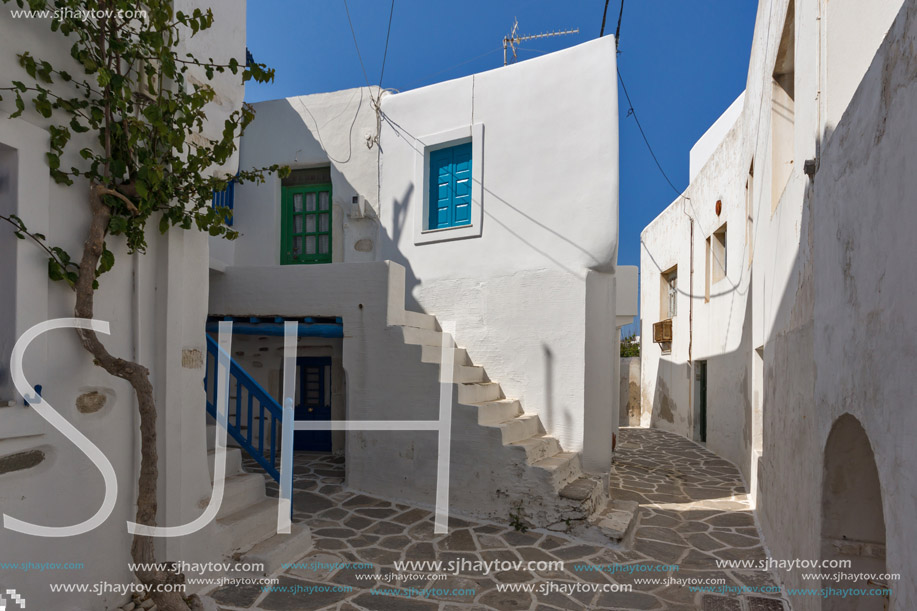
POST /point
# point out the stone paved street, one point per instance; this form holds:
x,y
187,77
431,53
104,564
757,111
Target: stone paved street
x,y
693,511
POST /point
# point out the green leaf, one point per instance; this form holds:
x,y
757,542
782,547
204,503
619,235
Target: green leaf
x,y
53,160
55,272
78,127
20,106
106,261
43,106
117,225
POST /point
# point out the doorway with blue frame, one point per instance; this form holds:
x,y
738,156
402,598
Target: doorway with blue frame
x,y
313,402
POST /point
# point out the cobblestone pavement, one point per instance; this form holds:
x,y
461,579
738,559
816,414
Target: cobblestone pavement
x,y
693,511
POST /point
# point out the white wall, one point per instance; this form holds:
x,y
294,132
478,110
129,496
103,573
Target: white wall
x,y
327,129
547,131
156,305
821,286
708,143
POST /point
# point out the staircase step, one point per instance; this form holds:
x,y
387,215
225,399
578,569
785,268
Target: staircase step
x,y
280,549
495,412
434,354
212,440
480,392
420,320
580,489
617,520
538,447
233,461
521,427
563,468
253,523
465,374
241,491
422,337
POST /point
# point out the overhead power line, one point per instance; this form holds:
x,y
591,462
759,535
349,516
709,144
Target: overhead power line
x,y
632,112
604,15
467,61
618,30
387,36
357,45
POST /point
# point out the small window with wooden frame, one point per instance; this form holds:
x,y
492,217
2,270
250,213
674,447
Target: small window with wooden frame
x,y
306,217
668,309
718,254
668,303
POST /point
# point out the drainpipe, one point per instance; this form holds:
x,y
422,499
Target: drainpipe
x,y
690,315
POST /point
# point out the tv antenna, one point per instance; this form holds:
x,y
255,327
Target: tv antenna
x,y
510,41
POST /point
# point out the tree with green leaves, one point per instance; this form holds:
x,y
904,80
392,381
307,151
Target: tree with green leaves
x,y
630,346
142,105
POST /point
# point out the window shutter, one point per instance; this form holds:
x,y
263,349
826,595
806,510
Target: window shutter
x,y
450,187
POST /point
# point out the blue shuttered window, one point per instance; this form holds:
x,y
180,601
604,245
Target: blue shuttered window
x,y
450,187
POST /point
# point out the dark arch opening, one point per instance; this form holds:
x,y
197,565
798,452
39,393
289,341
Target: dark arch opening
x,y
852,525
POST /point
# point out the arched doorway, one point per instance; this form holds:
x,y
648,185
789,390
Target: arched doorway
x,y
853,526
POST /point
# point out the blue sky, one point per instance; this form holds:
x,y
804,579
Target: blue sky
x,y
683,63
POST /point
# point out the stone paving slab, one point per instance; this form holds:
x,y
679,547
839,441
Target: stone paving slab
x,y
693,510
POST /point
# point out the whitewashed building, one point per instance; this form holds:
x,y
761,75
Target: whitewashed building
x,y
156,305
407,212
372,252
776,291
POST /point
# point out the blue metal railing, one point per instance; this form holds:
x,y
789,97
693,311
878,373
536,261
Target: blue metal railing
x,y
226,199
253,416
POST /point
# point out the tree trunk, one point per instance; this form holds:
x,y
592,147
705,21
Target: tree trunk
x,y
139,378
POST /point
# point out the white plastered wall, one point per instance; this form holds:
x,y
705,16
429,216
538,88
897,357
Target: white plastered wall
x,y
825,288
156,305
326,129
517,288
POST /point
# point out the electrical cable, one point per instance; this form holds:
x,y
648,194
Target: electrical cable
x,y
604,14
618,31
467,61
387,35
633,112
355,44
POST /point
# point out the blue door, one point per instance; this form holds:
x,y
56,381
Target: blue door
x,y
313,402
450,187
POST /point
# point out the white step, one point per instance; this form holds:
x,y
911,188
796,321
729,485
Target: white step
x,y
520,427
434,354
212,440
422,337
470,394
280,549
563,468
538,447
254,523
419,320
241,490
233,461
464,374
495,412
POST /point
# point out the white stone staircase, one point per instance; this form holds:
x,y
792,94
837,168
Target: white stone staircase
x,y
560,496
246,524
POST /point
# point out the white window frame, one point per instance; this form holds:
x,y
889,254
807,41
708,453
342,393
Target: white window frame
x,y
440,140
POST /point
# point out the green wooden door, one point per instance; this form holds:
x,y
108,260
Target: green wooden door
x,y
306,225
